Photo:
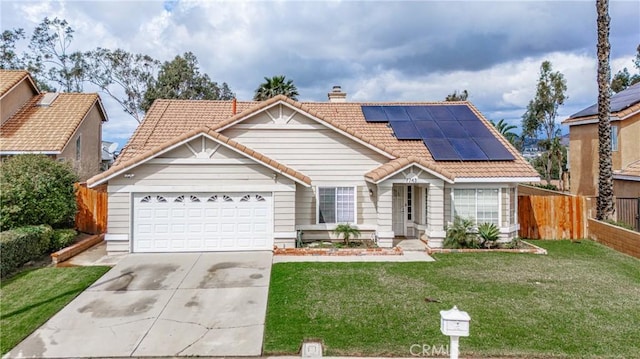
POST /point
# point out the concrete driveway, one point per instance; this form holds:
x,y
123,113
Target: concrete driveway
x,y
184,304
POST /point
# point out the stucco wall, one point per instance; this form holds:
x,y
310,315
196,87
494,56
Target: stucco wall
x,y
90,133
583,156
15,99
623,188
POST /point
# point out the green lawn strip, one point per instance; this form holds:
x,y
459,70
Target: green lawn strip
x,y
579,301
30,298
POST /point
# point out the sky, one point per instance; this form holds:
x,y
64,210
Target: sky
x,y
375,50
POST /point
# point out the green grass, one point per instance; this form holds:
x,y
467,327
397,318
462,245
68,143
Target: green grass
x,y
579,301
30,298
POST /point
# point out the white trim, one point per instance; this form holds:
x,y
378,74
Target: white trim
x,y
386,234
432,172
308,115
629,115
278,187
436,234
332,226
170,148
201,161
9,153
496,179
285,235
627,177
116,237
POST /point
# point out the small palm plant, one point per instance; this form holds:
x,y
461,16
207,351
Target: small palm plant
x,y
460,234
347,231
489,234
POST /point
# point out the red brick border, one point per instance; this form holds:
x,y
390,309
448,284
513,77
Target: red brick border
x,y
75,249
336,251
533,249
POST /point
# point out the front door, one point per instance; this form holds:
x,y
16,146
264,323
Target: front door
x,y
399,213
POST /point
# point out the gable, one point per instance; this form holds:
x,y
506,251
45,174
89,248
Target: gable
x,y
278,116
202,148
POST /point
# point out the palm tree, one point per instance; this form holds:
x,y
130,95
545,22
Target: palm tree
x,y
276,85
455,96
505,130
346,231
605,207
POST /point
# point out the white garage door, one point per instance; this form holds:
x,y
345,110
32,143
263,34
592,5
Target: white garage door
x,y
194,222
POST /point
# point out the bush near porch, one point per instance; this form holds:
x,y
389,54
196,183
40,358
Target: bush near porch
x,y
581,300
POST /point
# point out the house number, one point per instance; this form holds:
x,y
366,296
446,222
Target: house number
x,y
413,179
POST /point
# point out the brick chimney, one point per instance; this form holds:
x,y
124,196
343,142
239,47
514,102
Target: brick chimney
x,y
336,95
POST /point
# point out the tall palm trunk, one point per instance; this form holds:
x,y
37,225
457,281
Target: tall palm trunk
x,y
605,207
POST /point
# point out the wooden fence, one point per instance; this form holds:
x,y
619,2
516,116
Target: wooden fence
x,y
620,239
552,217
92,209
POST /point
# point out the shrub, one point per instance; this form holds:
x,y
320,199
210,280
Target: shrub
x,y
461,235
20,245
346,231
488,234
36,190
620,224
62,238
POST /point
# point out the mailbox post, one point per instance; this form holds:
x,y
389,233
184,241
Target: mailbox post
x,y
455,324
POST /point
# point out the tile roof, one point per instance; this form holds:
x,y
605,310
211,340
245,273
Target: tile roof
x,y
623,104
10,78
150,153
170,118
46,128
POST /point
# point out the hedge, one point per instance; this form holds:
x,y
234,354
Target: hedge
x,y
62,238
21,245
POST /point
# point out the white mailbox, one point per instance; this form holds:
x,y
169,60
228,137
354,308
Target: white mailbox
x,y
454,322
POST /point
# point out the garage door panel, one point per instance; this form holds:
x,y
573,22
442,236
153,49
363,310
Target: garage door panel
x,y
202,222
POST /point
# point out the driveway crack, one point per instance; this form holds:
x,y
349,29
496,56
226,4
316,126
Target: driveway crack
x,y
192,343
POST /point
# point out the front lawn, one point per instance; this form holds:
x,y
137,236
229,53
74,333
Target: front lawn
x,y
582,300
30,298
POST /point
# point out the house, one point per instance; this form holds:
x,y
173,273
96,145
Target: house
x,y
625,146
65,126
235,175
108,154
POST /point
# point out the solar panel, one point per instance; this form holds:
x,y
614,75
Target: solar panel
x,y
419,113
462,113
441,149
440,113
428,129
476,129
396,113
450,132
374,114
405,130
494,150
468,149
623,99
452,129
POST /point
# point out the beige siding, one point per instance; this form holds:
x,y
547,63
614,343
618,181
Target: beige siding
x,y
385,205
505,207
437,207
305,206
284,213
447,206
118,213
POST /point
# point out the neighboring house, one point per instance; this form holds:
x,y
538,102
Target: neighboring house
x,y
227,175
108,154
625,146
65,126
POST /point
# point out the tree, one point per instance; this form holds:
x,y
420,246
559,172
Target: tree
x,y
36,190
8,58
505,130
121,71
543,109
50,56
347,231
276,85
455,96
604,207
623,78
181,79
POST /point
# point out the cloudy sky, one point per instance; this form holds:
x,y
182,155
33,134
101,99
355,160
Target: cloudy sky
x,y
377,51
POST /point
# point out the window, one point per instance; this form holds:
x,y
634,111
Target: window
x,y
481,204
336,204
614,138
78,146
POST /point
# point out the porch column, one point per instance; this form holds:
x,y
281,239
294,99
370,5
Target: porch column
x,y
385,216
435,222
